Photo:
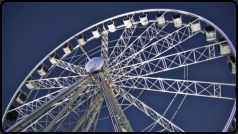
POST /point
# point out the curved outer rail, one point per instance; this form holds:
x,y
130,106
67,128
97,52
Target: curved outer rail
x,y
121,15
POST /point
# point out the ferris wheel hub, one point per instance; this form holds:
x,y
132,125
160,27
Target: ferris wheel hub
x,y
94,64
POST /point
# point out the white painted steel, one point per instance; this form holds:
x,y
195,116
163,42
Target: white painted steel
x,y
31,86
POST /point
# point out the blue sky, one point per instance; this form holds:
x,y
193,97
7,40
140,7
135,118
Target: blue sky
x,y
31,30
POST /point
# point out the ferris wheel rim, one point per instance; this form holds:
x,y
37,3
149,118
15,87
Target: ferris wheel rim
x,y
117,16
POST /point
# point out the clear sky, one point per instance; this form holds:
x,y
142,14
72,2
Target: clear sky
x,y
31,30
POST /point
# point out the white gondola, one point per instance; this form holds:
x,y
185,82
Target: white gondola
x,y
96,32
195,25
177,19
160,18
53,58
127,22
112,26
11,116
21,97
68,48
210,33
144,19
224,48
82,39
30,85
42,69
232,64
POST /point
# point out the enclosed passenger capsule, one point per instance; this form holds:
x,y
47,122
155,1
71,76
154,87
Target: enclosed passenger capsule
x,y
210,33
11,116
68,48
223,48
232,64
96,32
21,97
195,25
42,69
82,39
177,19
30,85
127,22
53,58
160,18
112,26
144,19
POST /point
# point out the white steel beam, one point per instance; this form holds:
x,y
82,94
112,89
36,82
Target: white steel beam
x,y
71,67
142,40
74,97
50,114
58,82
169,41
95,112
22,123
78,103
150,112
93,103
104,46
119,120
177,86
123,40
173,61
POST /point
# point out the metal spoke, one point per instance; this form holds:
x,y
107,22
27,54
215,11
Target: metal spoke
x,y
164,41
149,112
174,61
177,86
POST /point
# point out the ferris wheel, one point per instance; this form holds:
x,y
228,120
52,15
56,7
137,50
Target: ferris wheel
x,y
129,61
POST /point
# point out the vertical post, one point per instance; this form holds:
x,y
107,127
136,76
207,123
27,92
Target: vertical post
x,y
119,120
62,111
22,123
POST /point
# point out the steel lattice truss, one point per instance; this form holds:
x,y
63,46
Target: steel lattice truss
x,y
104,46
150,112
128,66
176,86
74,108
71,67
165,63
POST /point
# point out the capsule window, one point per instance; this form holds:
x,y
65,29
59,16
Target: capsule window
x,y
177,19
96,32
158,15
223,48
232,64
82,39
111,26
21,97
55,55
195,25
210,33
127,18
143,15
68,48
160,18
12,115
29,85
127,22
144,20
176,16
42,69
193,19
209,29
110,23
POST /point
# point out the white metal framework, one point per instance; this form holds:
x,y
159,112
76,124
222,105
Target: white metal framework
x,y
134,64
